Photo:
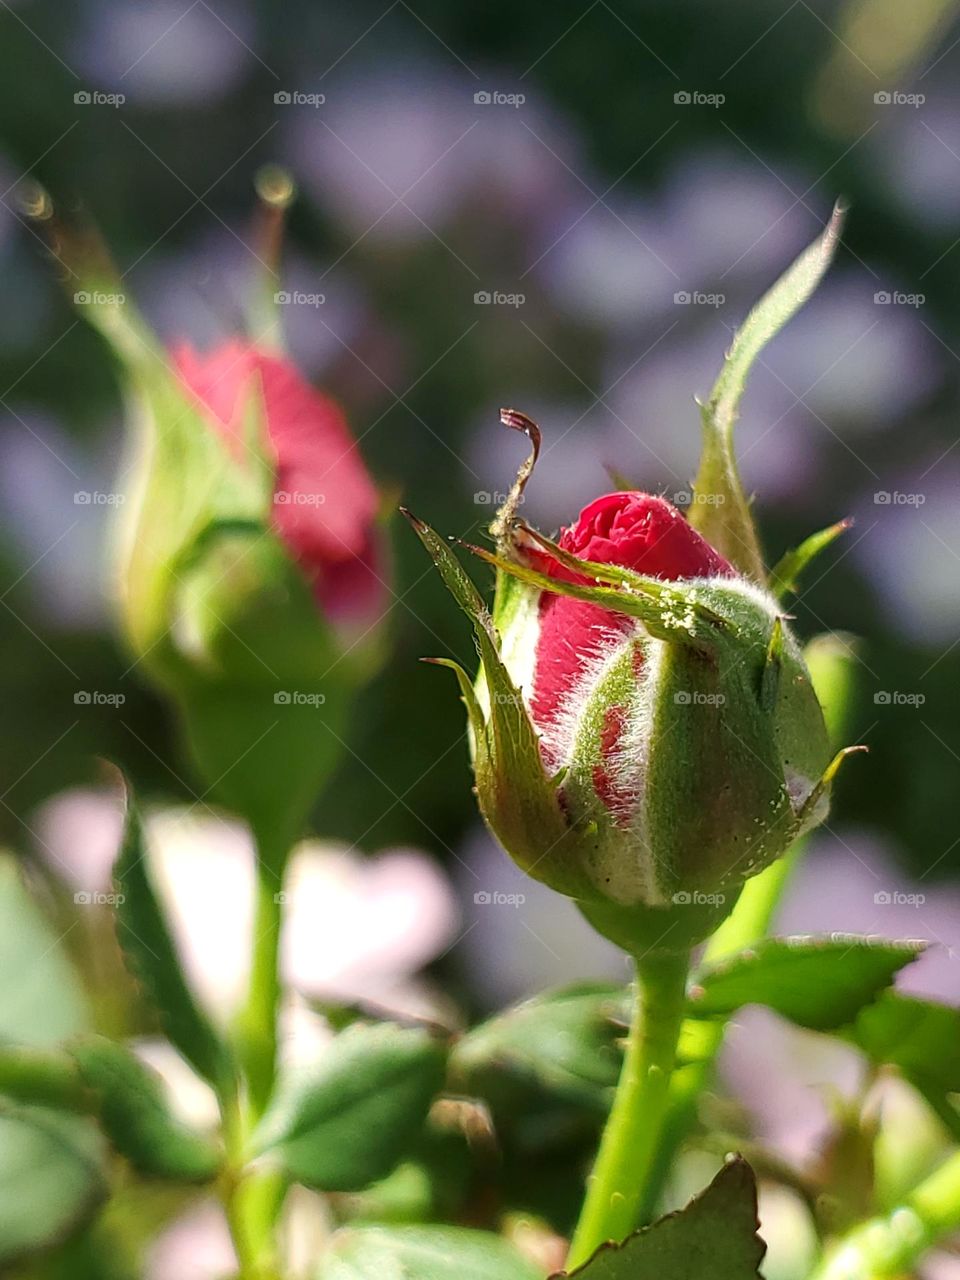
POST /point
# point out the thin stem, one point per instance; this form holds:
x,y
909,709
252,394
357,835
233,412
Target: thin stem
x,y
630,1140
891,1245
749,921
254,1198
257,1021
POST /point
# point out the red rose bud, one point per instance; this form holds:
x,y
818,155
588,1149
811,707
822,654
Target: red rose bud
x,y
252,574
324,502
646,735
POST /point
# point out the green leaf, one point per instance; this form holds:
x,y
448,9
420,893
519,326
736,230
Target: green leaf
x,y
722,513
564,1044
51,1170
152,957
713,1238
41,1077
915,1035
424,1253
820,983
784,574
922,1039
51,1177
349,1120
134,1114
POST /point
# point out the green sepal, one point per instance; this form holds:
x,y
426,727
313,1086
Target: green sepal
x,y
722,513
669,611
516,796
784,574
772,668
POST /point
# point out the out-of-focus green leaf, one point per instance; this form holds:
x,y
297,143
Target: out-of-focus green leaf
x,y
348,1121
722,512
821,983
152,957
41,1077
423,1253
919,1036
922,1039
51,1173
713,1238
564,1043
134,1114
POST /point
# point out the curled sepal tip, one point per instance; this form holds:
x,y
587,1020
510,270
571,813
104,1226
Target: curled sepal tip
x,y
504,519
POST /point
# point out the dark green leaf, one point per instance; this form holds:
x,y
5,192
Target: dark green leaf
x,y
713,1238
563,1043
152,957
821,983
135,1116
424,1253
349,1120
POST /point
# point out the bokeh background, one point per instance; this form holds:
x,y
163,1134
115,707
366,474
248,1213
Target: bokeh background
x,y
567,208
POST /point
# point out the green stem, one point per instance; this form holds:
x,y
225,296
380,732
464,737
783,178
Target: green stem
x,y
628,1149
257,1021
749,921
254,1197
892,1244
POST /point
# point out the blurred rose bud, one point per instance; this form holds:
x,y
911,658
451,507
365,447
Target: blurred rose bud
x,y
252,570
646,735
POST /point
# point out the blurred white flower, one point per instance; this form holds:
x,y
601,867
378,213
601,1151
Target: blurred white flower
x,y
356,928
196,1247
